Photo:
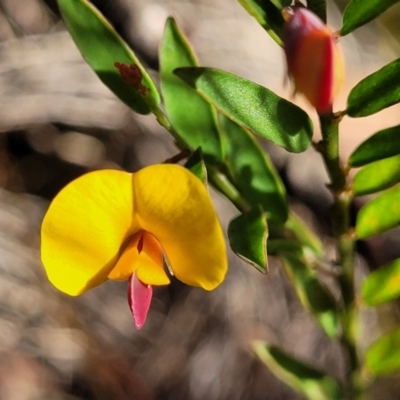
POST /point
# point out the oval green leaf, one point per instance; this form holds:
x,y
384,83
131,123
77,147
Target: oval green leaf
x,y
376,92
380,214
102,47
377,176
192,117
383,357
253,107
383,144
301,377
248,235
359,12
252,172
312,294
285,246
382,285
267,13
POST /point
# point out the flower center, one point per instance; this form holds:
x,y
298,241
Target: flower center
x,y
143,255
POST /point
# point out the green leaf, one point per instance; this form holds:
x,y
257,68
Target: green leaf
x,y
312,294
382,285
376,92
304,379
192,117
252,172
359,12
383,357
248,235
318,7
383,144
197,166
380,214
267,13
377,176
102,47
285,246
252,106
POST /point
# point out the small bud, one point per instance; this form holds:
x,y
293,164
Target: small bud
x,y
314,60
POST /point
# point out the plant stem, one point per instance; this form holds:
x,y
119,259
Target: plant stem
x,y
329,148
330,152
163,120
223,184
218,179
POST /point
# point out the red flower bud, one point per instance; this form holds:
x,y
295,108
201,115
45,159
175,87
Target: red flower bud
x,y
314,60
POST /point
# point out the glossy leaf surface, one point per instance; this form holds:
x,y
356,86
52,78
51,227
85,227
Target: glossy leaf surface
x,y
380,214
102,47
253,107
377,176
252,172
312,294
383,357
359,12
192,117
268,15
376,92
382,285
248,235
383,144
302,378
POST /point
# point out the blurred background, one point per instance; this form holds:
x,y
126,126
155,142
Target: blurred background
x,y
58,121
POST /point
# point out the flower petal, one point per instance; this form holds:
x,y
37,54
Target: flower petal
x,y
139,299
144,256
84,228
174,206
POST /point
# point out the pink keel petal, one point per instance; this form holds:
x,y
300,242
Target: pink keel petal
x,y
139,298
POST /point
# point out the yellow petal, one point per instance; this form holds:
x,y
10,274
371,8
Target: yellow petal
x,y
144,255
174,206
84,228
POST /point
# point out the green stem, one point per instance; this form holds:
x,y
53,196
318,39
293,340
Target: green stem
x,y
330,151
329,148
216,178
163,120
223,185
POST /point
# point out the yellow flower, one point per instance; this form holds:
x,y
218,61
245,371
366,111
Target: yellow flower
x,y
112,224
314,59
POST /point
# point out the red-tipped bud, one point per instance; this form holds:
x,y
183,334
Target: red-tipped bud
x,y
314,59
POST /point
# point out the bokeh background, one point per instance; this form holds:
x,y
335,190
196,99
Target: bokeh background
x,y
58,121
